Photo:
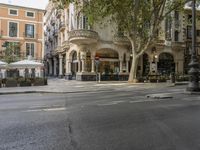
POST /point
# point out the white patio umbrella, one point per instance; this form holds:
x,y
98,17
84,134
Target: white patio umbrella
x,y
2,64
26,64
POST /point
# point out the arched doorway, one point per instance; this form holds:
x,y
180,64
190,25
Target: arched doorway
x,y
166,64
74,65
109,64
146,65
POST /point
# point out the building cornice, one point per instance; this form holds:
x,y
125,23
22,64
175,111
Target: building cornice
x,y
13,19
22,7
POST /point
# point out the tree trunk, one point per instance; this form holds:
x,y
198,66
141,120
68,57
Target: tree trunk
x,y
133,72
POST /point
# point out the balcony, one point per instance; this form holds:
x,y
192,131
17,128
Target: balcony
x,y
82,36
52,21
57,49
49,55
50,37
58,13
46,42
160,43
48,28
65,45
45,33
121,40
62,26
178,45
55,32
30,36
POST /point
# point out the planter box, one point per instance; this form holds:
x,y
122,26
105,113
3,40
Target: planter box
x,y
40,82
11,83
153,80
25,83
162,80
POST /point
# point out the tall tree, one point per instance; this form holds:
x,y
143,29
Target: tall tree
x,y
140,20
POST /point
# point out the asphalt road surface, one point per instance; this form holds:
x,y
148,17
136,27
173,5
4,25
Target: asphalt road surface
x,y
118,119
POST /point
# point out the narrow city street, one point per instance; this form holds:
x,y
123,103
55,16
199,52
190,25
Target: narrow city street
x,y
116,119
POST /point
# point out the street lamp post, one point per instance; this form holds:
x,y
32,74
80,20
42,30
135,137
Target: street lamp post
x,y
193,85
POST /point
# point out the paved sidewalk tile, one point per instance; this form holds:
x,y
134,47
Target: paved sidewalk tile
x,y
64,86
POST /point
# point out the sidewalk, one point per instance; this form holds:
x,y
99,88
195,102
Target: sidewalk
x,y
70,86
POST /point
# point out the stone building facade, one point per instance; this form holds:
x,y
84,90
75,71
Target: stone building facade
x,y
21,28
78,51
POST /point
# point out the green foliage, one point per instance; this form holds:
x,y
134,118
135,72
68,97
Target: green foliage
x,y
11,52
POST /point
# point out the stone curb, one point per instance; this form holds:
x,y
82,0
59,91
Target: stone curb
x,y
29,92
160,96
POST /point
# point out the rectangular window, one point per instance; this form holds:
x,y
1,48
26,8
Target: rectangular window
x,y
13,12
30,14
13,29
176,15
176,36
29,30
85,23
30,49
168,27
198,32
190,19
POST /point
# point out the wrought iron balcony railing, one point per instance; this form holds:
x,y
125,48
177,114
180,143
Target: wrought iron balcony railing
x,y
83,33
121,39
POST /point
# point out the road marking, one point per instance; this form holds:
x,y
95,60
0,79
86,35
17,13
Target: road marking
x,y
117,84
47,109
111,103
148,100
78,86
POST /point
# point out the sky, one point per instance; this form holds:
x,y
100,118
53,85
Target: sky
x,y
40,4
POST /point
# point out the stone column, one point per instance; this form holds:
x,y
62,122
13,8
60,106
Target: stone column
x,y
179,66
121,66
93,62
83,65
69,66
60,66
79,65
66,66
83,57
127,62
127,66
68,73
79,62
55,66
